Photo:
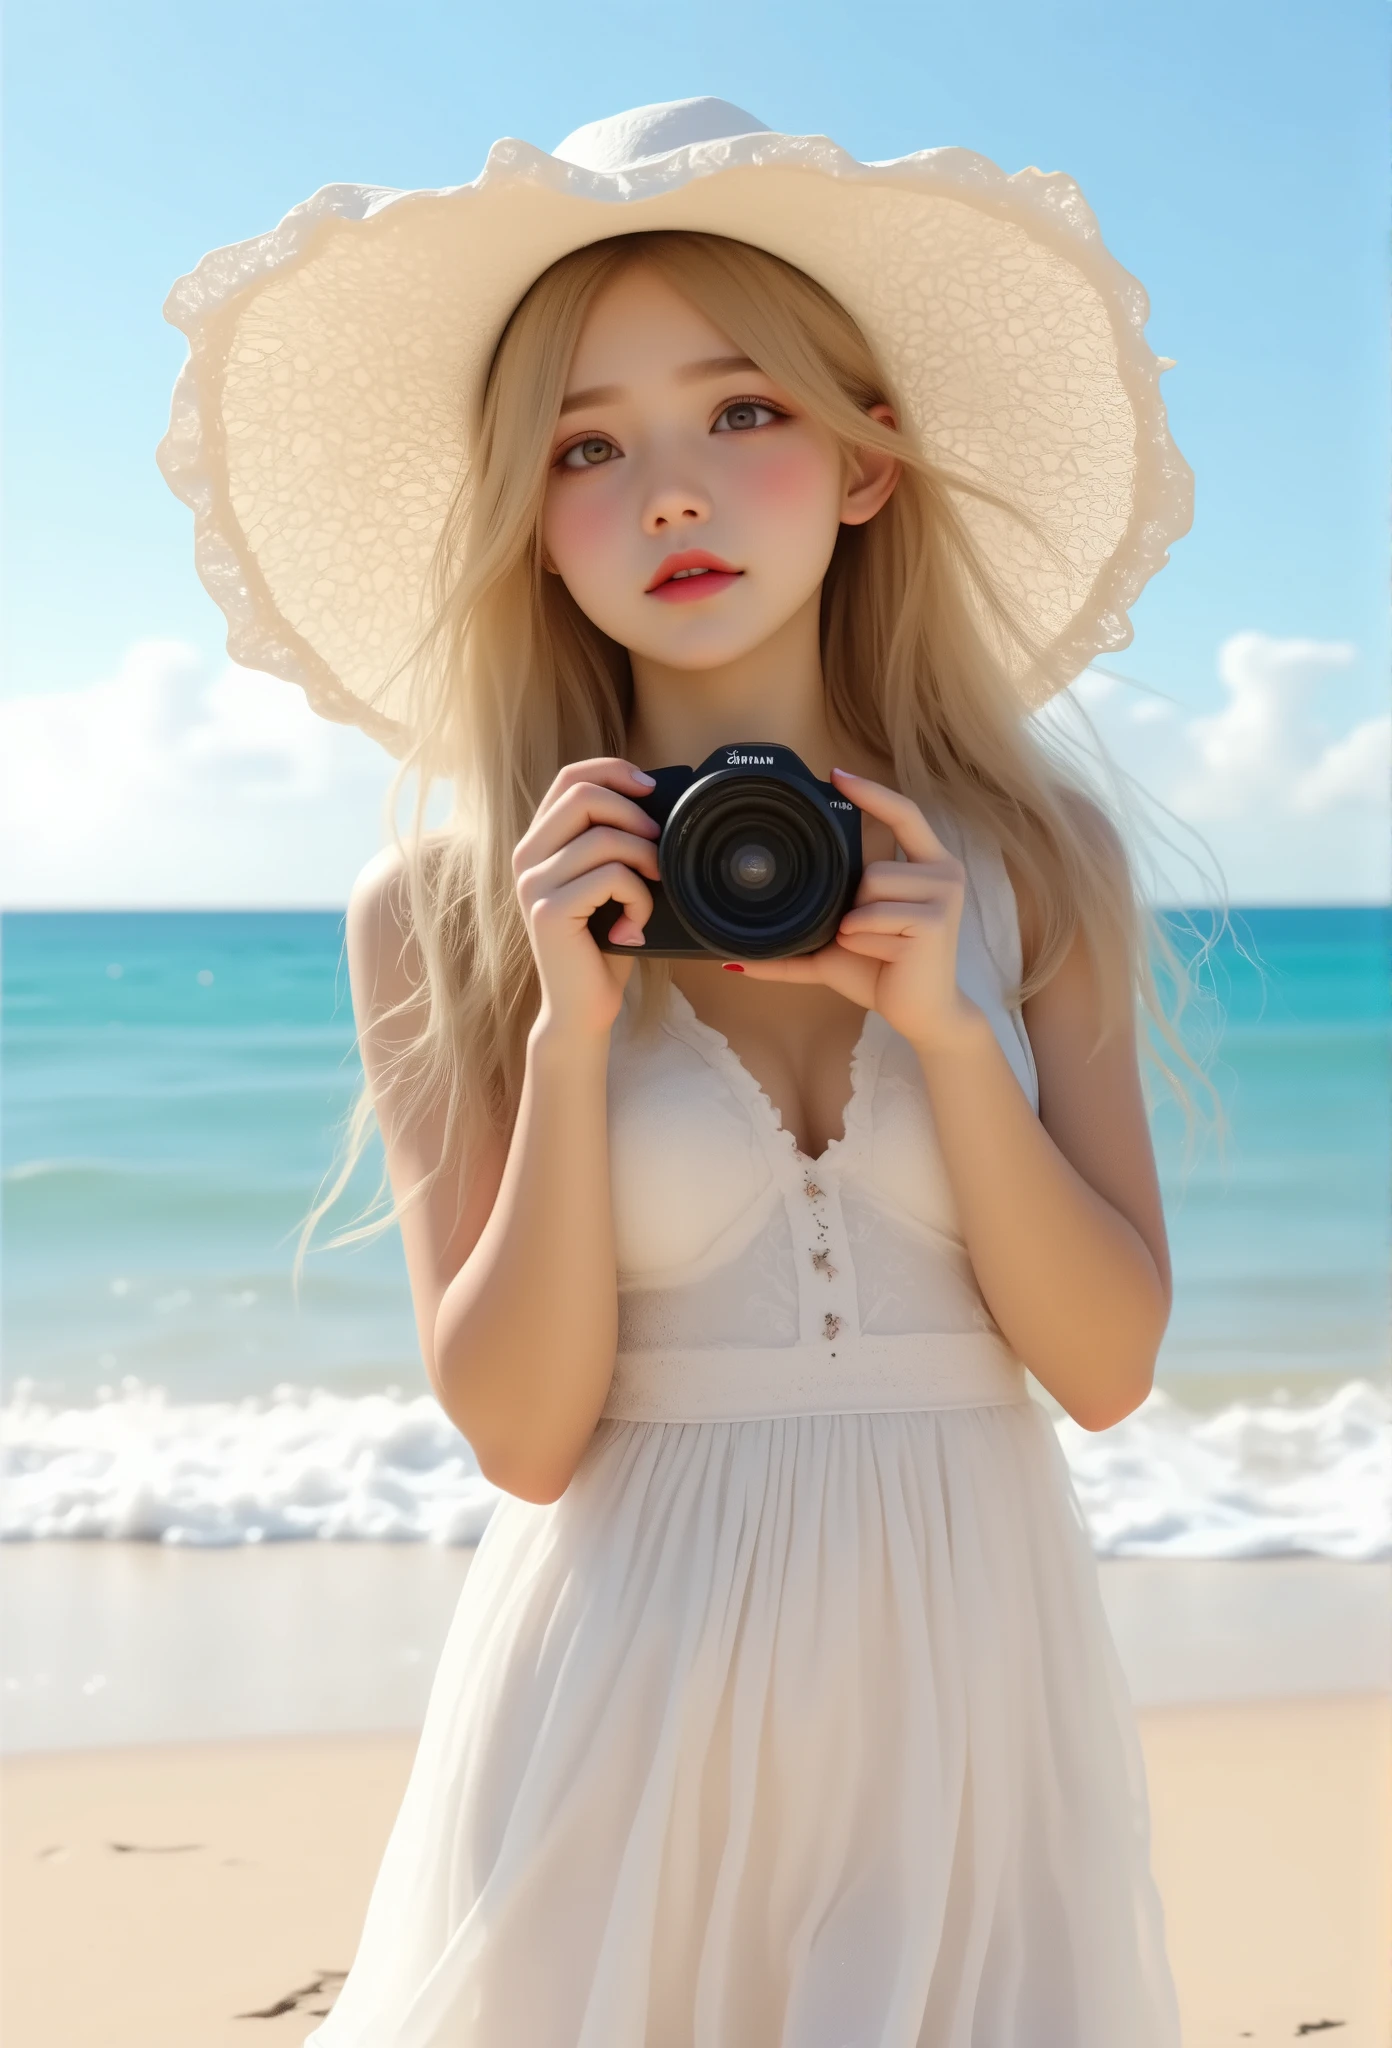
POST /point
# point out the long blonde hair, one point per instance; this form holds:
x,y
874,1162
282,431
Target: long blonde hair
x,y
508,680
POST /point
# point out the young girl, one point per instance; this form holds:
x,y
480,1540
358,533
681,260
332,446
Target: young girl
x,y
779,1706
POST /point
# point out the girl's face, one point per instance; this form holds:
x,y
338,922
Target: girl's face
x,y
673,452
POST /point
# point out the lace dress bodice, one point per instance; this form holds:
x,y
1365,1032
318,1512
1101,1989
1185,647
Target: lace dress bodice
x,y
754,1280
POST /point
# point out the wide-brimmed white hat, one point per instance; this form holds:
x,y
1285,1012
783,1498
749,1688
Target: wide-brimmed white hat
x,y
336,364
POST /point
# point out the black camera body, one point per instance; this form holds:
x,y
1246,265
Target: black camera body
x,y
758,860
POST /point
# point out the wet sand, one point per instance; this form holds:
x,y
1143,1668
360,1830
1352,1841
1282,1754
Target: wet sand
x,y
105,1643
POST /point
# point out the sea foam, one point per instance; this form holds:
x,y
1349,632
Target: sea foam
x,y
1255,1479
1252,1480
300,1463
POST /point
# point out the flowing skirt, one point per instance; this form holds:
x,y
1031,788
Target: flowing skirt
x,y
805,1732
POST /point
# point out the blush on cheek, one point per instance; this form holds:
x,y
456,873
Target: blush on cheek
x,y
580,534
789,476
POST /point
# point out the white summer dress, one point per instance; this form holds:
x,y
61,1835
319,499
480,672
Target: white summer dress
x,y
796,1721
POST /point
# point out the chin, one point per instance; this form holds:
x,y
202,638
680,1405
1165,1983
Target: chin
x,y
697,661
715,647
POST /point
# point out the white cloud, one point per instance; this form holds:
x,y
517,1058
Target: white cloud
x,y
1291,791
164,785
1257,749
1354,770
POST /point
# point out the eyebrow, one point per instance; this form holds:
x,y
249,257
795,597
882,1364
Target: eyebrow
x,y
689,373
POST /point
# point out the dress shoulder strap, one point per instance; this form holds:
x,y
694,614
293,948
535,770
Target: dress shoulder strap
x,y
990,958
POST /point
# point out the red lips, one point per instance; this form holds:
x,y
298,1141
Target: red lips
x,y
692,558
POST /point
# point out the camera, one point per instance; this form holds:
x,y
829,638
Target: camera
x,y
758,860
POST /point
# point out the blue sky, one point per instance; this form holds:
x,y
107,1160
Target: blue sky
x,y
1234,155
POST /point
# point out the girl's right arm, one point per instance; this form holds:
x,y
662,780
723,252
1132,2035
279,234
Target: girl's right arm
x,y
511,1257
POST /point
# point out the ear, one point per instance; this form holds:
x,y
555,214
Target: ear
x,y
872,476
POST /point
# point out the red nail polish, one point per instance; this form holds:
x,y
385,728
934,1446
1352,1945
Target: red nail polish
x,y
732,966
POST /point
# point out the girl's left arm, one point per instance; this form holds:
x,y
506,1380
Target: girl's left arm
x,y
1060,1212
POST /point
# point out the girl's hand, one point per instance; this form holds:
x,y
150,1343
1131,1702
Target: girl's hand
x,y
895,950
588,841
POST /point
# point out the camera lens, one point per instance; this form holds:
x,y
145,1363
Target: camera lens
x,y
752,867
754,864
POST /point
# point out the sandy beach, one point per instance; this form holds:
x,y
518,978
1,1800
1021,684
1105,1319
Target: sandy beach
x,y
187,1860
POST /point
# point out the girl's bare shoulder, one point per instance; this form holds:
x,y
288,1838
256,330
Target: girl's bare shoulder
x,y
384,961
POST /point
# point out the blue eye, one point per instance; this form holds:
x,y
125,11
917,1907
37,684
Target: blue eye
x,y
740,412
593,452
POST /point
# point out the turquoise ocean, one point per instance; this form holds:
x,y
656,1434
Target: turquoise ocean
x,y
171,1092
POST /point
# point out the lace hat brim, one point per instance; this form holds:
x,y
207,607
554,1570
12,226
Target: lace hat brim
x,y
320,423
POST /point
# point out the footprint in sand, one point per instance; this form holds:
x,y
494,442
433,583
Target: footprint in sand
x,y
153,1848
327,1980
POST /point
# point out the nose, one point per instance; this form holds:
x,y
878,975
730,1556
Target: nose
x,y
673,507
